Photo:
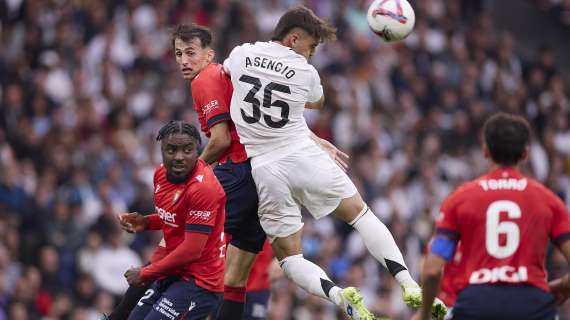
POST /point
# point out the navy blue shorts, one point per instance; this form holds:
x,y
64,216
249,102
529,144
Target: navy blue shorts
x,y
256,305
242,221
176,299
504,302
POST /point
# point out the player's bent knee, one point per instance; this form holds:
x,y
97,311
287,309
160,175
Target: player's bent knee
x,y
287,246
350,208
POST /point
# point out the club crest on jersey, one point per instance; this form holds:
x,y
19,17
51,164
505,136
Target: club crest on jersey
x,y
176,196
200,177
157,188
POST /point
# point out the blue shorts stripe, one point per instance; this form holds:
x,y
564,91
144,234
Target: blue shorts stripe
x,y
218,118
201,228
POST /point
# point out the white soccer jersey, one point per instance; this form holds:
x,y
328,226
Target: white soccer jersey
x,y
271,85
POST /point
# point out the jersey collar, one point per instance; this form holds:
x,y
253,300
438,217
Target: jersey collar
x,y
505,172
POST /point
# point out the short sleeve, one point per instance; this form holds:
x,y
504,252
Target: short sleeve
x,y
315,88
211,94
155,178
446,223
204,206
560,226
229,59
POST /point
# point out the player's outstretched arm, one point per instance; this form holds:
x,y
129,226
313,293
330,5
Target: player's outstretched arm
x,y
431,273
560,288
135,222
132,222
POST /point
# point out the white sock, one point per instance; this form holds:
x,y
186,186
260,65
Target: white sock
x,y
308,276
335,295
381,245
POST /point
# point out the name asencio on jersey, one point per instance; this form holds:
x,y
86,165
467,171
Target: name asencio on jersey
x,y
269,64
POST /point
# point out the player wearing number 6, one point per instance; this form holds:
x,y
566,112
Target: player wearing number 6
x,y
273,84
503,221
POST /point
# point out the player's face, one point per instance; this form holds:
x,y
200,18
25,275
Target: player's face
x,y
304,44
179,155
191,57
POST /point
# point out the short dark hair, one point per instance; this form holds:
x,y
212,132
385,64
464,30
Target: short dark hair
x,y
506,136
187,32
304,18
175,126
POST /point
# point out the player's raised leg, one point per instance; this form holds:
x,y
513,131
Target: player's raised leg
x,y
314,280
383,247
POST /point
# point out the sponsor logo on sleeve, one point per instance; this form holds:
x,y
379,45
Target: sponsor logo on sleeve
x,y
210,106
201,214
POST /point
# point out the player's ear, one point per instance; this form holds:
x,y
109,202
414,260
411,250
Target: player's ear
x,y
486,153
295,37
291,39
210,55
524,156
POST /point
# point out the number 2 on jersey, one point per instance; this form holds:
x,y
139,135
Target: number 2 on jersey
x,y
148,293
509,228
267,92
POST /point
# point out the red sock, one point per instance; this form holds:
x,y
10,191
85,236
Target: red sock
x,y
236,294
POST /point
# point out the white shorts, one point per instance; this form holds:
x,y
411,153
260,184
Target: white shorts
x,y
307,177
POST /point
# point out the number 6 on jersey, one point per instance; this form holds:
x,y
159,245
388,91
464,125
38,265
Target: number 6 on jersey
x,y
494,228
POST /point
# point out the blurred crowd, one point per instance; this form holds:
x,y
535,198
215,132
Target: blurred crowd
x,y
86,84
558,9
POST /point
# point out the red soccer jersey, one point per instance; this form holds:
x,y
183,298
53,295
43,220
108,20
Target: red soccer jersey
x,y
198,205
211,95
503,221
259,275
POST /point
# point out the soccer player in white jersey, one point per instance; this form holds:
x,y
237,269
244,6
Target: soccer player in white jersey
x,y
273,84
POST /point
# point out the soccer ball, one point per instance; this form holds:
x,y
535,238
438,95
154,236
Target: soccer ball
x,y
392,20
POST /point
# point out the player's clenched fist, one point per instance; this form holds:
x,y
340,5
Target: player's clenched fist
x,y
132,222
133,277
